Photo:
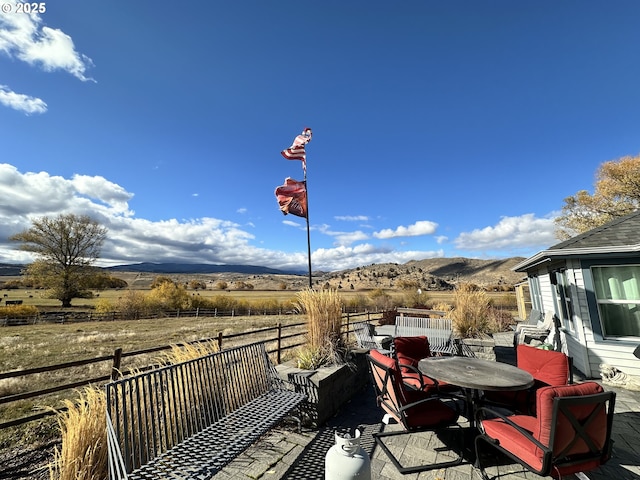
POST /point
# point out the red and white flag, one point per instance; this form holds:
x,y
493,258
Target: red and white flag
x,y
296,151
292,197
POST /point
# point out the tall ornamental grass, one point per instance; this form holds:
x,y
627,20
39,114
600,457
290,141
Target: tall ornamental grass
x,y
83,453
188,351
325,345
470,315
474,315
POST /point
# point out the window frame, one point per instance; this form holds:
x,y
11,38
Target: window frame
x,y
611,301
592,299
535,293
562,299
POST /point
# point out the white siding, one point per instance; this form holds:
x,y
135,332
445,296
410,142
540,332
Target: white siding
x,y
588,350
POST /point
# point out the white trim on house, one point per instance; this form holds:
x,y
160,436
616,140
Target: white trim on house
x,y
548,255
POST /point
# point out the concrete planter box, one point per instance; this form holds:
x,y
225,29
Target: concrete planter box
x,y
481,347
327,388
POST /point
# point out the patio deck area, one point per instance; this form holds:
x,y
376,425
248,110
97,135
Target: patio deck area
x,y
285,454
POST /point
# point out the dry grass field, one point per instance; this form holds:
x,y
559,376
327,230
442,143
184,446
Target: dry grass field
x,y
31,346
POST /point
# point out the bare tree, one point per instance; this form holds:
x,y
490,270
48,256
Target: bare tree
x,y
66,248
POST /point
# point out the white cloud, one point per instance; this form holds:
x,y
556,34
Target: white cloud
x,y
25,38
21,102
341,238
341,258
292,223
422,227
210,240
203,240
511,233
347,238
352,218
99,188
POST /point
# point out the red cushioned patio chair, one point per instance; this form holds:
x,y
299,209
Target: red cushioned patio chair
x,y
408,352
571,432
414,410
548,368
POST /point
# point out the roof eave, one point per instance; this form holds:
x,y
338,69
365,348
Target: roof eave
x,y
548,255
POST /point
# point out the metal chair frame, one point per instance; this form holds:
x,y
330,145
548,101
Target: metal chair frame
x,y
365,339
552,463
388,385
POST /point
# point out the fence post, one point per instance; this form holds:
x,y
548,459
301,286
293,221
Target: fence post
x,y
348,321
115,369
219,341
279,342
197,312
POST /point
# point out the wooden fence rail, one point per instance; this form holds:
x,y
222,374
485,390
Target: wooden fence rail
x,y
78,317
284,337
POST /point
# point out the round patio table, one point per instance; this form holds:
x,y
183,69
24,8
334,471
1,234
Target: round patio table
x,y
476,373
473,375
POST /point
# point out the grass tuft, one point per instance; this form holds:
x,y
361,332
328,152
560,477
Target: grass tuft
x,y
184,352
325,345
83,453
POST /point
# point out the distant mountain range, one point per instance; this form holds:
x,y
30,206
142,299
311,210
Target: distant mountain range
x,y
7,269
426,272
149,267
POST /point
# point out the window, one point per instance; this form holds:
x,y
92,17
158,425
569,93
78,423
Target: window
x,y
534,292
562,298
617,290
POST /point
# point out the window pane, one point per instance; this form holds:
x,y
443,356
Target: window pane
x,y
617,283
620,320
618,296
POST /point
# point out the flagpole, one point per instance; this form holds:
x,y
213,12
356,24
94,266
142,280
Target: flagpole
x,y
306,186
297,152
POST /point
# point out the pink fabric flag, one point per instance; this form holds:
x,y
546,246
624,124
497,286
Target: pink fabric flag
x,y
292,197
296,151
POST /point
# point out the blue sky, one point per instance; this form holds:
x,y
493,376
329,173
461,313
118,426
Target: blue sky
x,y
448,129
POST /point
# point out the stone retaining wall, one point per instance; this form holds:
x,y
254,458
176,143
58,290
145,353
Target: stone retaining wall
x,y
481,347
327,388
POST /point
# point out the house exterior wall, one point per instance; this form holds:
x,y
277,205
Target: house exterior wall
x,y
612,351
587,347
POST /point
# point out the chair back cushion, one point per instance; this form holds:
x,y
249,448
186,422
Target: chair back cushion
x,y
546,366
410,350
564,431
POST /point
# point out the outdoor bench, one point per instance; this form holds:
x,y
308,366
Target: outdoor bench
x,y
188,420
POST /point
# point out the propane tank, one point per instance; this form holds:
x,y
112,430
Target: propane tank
x,y
347,459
